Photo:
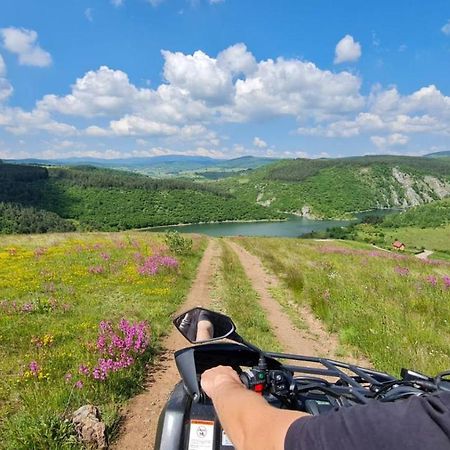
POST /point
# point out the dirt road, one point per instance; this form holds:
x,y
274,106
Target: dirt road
x,y
424,255
141,416
143,410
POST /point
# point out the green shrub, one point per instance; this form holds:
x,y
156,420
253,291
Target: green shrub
x,y
177,243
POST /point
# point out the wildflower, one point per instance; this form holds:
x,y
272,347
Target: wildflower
x,y
402,271
68,377
446,280
105,256
432,280
119,347
34,368
153,264
96,270
27,307
83,370
79,384
39,252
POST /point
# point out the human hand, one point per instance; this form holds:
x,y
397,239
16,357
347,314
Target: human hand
x,y
215,379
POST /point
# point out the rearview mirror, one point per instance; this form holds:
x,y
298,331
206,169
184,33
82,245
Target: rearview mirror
x,y
202,325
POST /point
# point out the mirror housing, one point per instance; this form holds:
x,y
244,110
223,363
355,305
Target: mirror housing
x,y
200,325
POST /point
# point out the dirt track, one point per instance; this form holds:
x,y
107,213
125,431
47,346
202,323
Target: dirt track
x,y
142,414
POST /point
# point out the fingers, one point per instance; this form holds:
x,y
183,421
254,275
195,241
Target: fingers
x,y
218,378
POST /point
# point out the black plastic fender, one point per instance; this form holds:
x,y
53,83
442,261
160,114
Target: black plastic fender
x,y
170,432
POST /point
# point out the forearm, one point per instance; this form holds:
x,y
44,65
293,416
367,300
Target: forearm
x,y
249,420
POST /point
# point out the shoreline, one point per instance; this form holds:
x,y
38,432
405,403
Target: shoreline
x,y
290,215
209,223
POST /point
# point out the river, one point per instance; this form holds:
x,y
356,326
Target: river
x,y
293,227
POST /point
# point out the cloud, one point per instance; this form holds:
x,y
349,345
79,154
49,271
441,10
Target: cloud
x,y
2,66
201,92
347,50
23,43
5,89
446,28
97,93
200,75
215,2
295,88
155,3
426,110
257,142
88,13
392,140
20,122
117,3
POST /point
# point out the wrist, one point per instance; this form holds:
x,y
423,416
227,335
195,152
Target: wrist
x,y
224,386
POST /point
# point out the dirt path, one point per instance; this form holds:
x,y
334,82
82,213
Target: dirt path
x,y
314,340
141,416
424,255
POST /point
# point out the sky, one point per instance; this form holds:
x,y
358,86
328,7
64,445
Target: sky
x,y
223,78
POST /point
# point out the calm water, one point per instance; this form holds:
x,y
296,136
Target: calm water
x,y
293,227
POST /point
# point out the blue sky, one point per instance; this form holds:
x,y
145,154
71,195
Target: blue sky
x,y
224,78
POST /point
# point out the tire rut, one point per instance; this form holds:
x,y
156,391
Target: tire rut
x,y
142,412
314,340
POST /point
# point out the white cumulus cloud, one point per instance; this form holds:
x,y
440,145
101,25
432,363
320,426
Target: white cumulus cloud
x,y
446,28
392,140
347,50
260,143
23,43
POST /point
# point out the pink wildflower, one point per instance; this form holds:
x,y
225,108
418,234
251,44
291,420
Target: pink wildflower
x,y
68,377
105,256
402,271
34,368
446,280
27,307
153,264
96,270
83,370
432,280
79,384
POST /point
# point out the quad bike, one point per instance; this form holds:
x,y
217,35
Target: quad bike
x,y
315,386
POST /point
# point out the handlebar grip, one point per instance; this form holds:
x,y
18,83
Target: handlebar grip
x,y
245,379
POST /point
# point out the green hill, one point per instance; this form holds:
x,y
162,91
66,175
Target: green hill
x,y
332,188
434,214
445,154
101,199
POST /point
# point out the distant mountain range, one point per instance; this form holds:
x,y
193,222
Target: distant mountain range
x,y
445,154
158,165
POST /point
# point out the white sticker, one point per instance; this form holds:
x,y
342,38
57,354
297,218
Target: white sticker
x,y
226,439
201,436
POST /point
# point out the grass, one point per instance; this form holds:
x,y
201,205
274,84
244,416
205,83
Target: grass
x,y
55,290
417,238
394,308
240,301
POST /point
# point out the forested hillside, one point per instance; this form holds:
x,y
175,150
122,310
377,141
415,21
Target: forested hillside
x,y
99,199
434,214
338,187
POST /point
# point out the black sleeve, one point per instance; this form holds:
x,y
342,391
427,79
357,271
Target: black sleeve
x,y
416,423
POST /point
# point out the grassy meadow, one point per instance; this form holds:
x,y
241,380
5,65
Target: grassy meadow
x,y
238,299
393,308
80,318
